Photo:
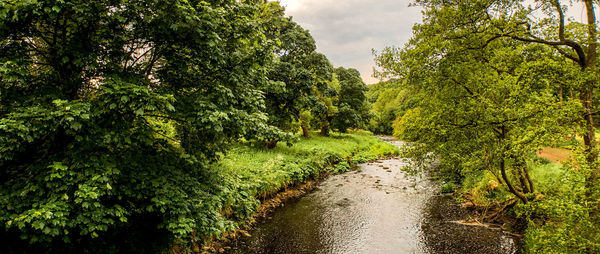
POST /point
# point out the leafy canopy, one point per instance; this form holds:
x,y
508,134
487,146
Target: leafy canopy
x,y
111,110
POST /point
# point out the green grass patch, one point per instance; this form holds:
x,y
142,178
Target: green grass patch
x,y
552,178
249,172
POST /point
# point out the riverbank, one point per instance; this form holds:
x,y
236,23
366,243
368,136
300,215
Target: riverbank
x,y
554,218
254,178
378,208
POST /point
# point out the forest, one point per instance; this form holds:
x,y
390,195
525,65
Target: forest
x,y
150,126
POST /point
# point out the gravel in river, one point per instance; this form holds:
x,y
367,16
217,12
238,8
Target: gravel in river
x,y
376,209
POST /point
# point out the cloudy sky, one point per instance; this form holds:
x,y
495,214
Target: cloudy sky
x,y
347,30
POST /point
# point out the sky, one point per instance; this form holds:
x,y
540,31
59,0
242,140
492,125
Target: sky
x,y
346,30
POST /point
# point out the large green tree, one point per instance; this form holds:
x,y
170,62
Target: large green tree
x,y
298,73
353,108
87,88
478,23
485,104
495,81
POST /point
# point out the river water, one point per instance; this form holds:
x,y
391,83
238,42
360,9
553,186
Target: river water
x,y
375,209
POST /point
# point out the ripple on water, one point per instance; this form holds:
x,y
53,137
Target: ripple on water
x,y
373,211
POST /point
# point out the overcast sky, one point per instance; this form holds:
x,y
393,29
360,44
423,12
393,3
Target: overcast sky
x,y
347,30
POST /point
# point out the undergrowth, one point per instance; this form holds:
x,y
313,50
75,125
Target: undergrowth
x,y
559,218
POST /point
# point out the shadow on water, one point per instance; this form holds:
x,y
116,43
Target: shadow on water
x,y
441,233
376,209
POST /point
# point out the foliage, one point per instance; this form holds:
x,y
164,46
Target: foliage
x,y
447,188
495,81
352,106
298,73
483,111
390,101
560,221
478,24
110,113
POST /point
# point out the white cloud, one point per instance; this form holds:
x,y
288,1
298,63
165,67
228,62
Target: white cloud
x,y
291,5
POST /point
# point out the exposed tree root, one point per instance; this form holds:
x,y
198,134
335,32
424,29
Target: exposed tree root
x,y
494,215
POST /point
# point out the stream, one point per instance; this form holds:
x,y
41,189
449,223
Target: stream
x,y
375,209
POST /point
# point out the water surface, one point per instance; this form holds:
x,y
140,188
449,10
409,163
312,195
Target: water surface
x,y
376,209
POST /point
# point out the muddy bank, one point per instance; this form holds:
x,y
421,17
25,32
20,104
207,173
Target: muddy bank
x,y
375,209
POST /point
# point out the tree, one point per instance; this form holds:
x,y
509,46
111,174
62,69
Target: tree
x,y
353,108
87,90
297,72
325,107
390,100
484,109
478,23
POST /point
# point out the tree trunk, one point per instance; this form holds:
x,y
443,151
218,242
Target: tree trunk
x,y
325,128
271,144
523,175
511,188
526,173
589,136
587,91
305,131
524,183
561,93
505,177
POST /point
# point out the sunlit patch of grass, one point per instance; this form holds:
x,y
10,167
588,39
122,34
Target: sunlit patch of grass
x,y
549,177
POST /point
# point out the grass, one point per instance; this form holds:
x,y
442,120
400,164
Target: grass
x,y
269,170
550,177
251,173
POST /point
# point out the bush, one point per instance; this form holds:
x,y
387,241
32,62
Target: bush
x,y
560,220
448,188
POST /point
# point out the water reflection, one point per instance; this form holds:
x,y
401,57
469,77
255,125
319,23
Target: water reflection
x,y
376,209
